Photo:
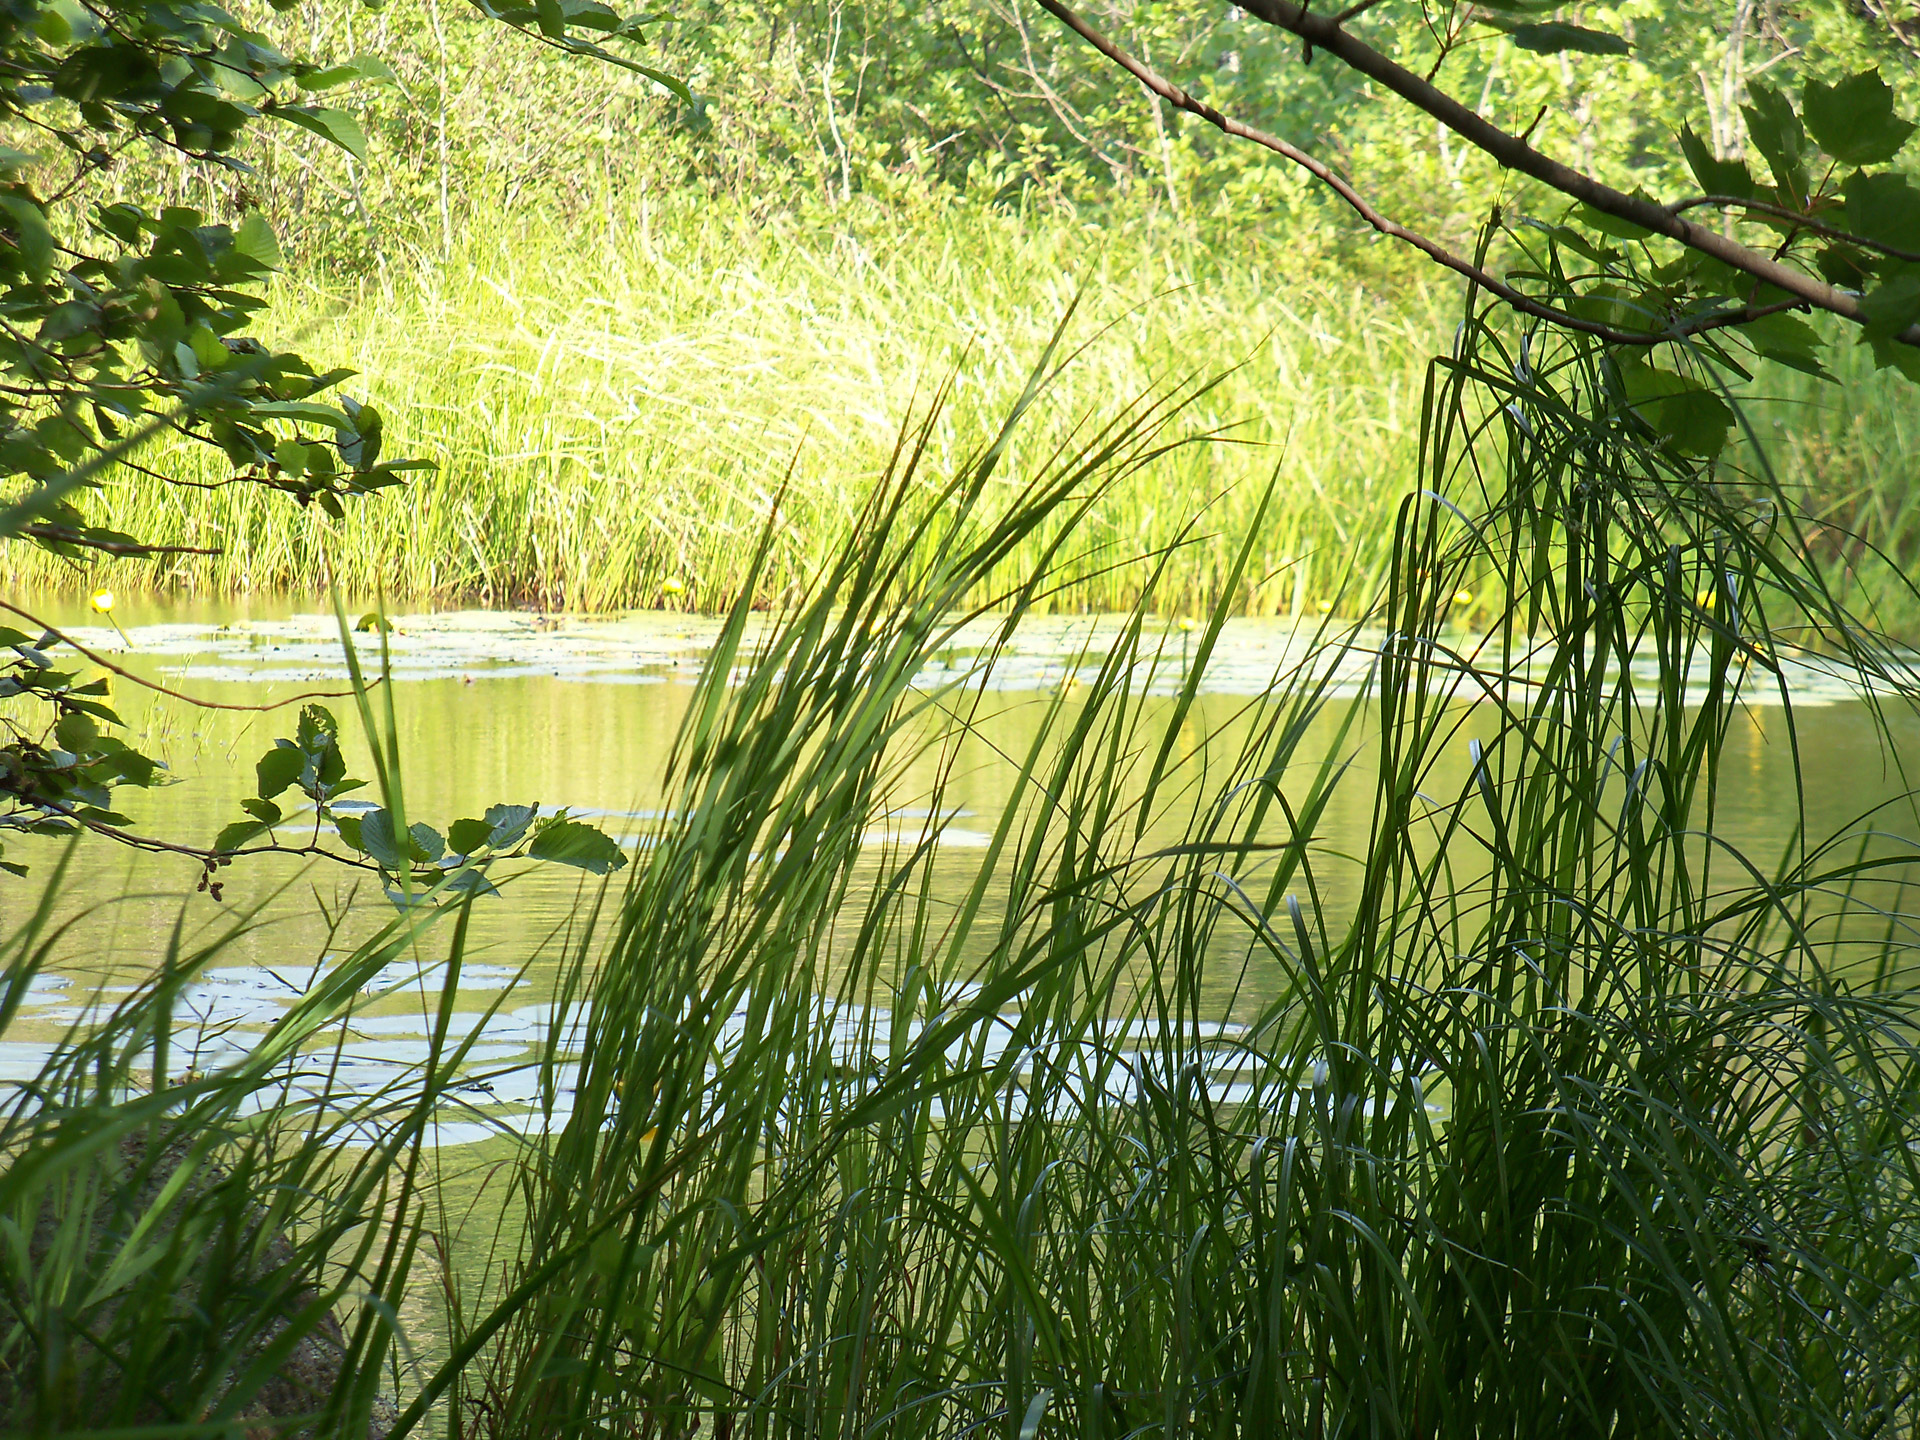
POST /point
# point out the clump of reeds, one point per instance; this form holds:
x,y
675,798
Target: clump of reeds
x,y
1543,1111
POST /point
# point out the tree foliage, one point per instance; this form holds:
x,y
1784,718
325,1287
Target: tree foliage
x,y
120,321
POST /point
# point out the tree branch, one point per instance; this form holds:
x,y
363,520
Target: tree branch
x,y
105,664
1324,32
1431,248
1804,222
62,535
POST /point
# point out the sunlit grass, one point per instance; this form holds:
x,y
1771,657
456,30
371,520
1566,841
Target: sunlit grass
x,y
1553,1117
616,414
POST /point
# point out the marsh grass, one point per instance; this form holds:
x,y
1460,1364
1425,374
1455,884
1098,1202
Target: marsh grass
x,y
614,407
614,412
1572,1121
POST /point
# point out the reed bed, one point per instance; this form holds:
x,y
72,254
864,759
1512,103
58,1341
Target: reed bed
x,y
615,413
1571,1121
615,410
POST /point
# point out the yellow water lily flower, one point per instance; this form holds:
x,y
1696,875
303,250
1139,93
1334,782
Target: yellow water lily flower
x,y
102,601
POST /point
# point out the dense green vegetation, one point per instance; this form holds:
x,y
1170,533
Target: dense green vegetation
x,y
1570,1123
611,409
863,199
1534,1108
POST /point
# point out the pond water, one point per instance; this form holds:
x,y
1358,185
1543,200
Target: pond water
x,y
580,713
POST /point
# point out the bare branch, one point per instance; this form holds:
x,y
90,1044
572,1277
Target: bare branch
x,y
1804,222
1324,32
105,664
62,535
1431,248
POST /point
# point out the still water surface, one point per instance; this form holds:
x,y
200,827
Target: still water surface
x,y
580,713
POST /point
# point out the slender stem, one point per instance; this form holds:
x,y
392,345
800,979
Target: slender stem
x,y
1433,249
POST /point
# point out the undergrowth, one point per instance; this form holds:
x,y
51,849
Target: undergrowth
x,y
1571,1121
615,413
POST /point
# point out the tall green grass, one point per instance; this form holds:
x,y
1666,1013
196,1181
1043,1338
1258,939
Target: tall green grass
x,y
1570,1121
616,408
615,412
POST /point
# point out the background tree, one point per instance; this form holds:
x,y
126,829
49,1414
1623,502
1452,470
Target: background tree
x,y
1834,226
122,321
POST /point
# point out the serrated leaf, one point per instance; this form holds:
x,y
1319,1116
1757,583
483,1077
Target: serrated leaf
x,y
509,823
1777,134
335,126
277,769
255,239
348,827
427,844
464,837
1786,340
568,842
1554,38
1854,121
1716,176
1884,208
1686,416
1891,354
1894,304
378,840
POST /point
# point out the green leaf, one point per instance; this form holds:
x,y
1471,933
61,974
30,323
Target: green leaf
x,y
1787,340
377,839
471,882
1891,354
318,729
334,125
255,239
1612,224
1854,121
279,768
1776,134
427,844
238,834
1687,416
1716,177
265,811
464,837
307,410
509,823
1895,303
76,733
361,67
1554,38
31,235
1884,208
568,842
349,828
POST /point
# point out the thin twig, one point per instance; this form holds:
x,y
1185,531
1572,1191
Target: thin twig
x,y
1433,249
61,535
105,664
1323,32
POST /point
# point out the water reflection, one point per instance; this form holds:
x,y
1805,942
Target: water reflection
x,y
581,715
